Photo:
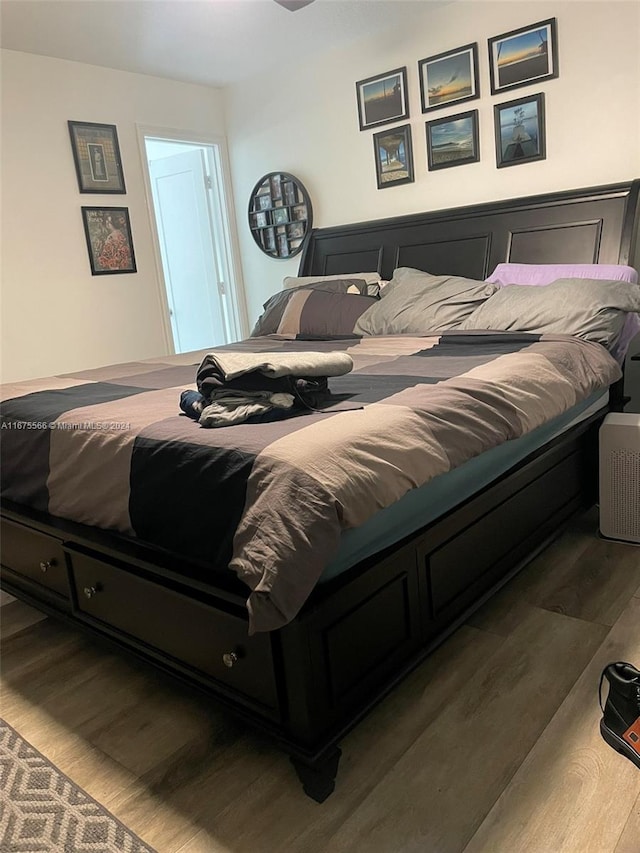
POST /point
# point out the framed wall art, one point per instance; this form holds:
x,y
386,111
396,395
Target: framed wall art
x,y
394,156
523,57
109,242
449,78
96,155
382,99
520,131
453,140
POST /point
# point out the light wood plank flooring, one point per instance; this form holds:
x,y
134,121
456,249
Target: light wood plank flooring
x,y
491,745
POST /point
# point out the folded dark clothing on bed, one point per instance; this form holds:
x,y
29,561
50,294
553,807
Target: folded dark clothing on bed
x,y
192,404
237,387
267,370
210,383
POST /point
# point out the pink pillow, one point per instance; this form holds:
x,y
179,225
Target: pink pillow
x,y
538,275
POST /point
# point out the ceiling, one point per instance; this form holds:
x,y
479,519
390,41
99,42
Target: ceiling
x,y
211,42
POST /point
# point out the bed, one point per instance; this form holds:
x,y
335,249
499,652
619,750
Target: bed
x,y
304,660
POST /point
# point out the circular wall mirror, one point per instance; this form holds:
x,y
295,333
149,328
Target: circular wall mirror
x,y
280,215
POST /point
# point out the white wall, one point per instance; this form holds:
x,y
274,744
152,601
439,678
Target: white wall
x,y
306,122
56,316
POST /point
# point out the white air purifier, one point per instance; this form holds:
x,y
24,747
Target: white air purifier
x,y
620,477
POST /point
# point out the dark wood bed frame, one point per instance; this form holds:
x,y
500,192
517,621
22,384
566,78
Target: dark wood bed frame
x,y
310,682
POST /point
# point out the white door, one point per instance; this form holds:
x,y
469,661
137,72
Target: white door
x,y
180,189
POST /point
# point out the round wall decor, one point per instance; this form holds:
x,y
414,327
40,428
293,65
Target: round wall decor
x,y
280,215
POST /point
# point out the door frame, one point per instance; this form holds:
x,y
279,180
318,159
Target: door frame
x,y
238,313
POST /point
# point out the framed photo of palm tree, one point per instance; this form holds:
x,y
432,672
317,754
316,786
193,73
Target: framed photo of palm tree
x,y
520,131
382,99
523,57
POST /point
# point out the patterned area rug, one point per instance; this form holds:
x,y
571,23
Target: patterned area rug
x,y
43,811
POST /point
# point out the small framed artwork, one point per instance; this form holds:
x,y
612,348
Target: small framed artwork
x,y
523,57
394,156
520,131
276,186
108,234
96,155
280,216
270,240
449,78
452,141
283,246
290,194
382,99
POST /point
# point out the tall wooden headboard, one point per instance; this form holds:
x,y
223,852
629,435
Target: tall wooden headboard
x,y
595,225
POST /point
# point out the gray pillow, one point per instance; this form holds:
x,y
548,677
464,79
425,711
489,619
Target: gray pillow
x,y
593,309
268,322
416,302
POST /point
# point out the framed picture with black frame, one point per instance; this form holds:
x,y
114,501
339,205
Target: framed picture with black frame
x,y
109,242
96,155
382,99
523,57
452,141
520,131
449,78
394,156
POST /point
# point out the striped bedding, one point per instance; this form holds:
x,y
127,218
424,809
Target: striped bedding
x,y
110,448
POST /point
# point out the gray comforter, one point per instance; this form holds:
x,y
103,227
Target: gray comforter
x,y
108,447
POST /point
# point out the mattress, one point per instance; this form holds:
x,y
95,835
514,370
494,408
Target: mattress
x,y
426,504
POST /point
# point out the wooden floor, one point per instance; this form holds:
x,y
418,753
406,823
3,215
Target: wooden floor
x,y
491,745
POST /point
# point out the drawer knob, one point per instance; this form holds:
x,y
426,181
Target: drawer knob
x,y
90,591
229,659
45,565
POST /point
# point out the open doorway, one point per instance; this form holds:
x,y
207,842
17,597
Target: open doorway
x,y
194,241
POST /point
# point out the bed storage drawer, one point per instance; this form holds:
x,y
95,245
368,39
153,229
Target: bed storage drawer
x,y
480,555
35,556
193,633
